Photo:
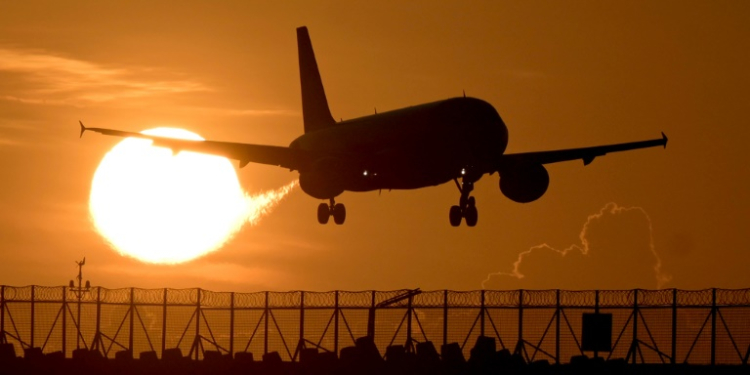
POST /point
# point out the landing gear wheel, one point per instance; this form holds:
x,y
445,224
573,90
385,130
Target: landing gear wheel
x,y
471,215
323,213
339,213
455,216
467,205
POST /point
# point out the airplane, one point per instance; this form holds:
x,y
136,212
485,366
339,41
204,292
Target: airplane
x,y
460,138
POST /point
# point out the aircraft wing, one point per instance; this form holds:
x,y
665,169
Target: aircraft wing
x,y
293,159
587,154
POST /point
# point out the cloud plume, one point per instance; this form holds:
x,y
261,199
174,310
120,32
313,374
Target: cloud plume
x,y
616,251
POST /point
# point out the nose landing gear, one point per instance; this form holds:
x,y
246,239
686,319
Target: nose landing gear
x,y
337,210
467,208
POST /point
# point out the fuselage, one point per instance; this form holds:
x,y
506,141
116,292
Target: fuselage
x,y
410,148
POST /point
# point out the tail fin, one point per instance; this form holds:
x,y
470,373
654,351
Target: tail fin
x,y
315,112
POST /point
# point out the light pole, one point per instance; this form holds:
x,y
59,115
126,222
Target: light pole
x,y
79,291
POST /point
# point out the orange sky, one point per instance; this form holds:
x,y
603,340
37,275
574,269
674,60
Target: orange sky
x,y
561,74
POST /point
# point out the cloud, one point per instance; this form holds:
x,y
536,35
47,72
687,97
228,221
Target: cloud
x,y
47,79
616,251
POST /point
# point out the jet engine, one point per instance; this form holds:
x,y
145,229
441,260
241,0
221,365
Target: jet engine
x,y
323,180
524,183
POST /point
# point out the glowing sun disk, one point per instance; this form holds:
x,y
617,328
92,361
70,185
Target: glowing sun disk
x,y
164,208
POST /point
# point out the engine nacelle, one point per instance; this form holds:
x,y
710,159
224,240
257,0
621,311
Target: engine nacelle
x,y
324,179
524,183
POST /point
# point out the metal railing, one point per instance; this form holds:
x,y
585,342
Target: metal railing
x,y
709,326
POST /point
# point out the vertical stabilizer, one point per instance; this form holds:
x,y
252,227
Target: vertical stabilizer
x,y
315,112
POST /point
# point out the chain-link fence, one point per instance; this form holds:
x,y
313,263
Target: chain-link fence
x,y
709,326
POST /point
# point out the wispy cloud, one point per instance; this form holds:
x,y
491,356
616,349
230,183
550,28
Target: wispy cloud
x,y
48,79
583,266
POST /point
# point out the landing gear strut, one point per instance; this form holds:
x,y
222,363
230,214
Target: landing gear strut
x,y
337,210
467,206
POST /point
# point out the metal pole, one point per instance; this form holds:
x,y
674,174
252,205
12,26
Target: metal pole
x,y
519,346
557,328
634,345
265,335
164,324
64,320
674,326
2,314
32,315
197,324
98,315
79,295
132,319
301,321
596,311
231,325
481,315
445,317
336,324
409,346
713,327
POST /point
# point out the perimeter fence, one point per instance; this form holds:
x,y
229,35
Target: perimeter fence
x,y
709,326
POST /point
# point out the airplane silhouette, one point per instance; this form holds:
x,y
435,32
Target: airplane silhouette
x,y
425,145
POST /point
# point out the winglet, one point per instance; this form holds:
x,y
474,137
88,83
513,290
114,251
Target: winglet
x,y
83,129
664,137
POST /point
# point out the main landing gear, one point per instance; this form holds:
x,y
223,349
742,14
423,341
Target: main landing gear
x,y
337,210
467,206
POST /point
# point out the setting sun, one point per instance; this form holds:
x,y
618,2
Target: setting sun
x,y
163,208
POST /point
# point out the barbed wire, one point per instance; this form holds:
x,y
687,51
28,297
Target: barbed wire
x,y
367,299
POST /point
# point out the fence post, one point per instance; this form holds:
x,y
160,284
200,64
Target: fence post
x,y
231,325
336,324
481,315
445,317
164,324
409,344
301,324
32,317
596,311
97,334
132,320
265,334
674,326
713,327
634,345
64,320
2,315
520,344
557,328
198,325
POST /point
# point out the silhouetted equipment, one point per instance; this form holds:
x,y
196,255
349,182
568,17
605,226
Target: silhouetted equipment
x,y
427,355
172,355
7,351
386,303
414,147
127,355
33,354
272,358
244,356
452,353
307,355
483,349
395,353
596,332
368,351
79,292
